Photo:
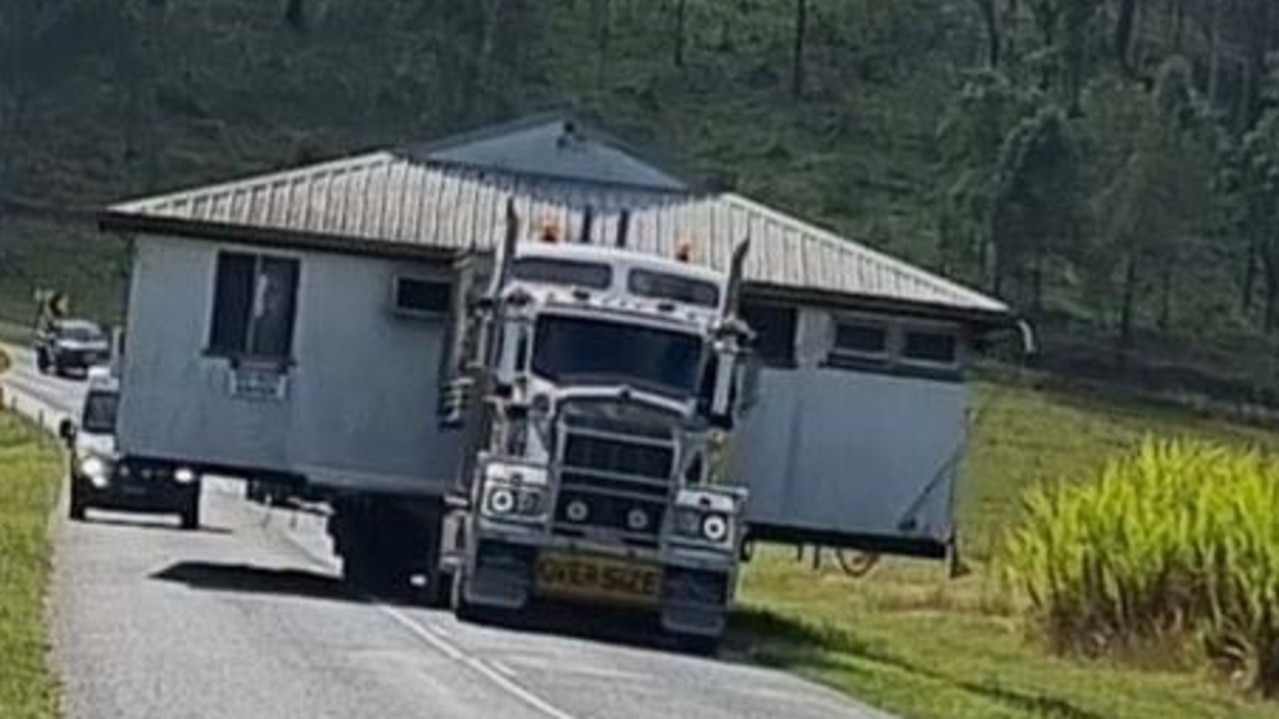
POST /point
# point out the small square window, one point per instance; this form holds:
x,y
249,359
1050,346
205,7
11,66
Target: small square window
x,y
860,338
419,296
935,347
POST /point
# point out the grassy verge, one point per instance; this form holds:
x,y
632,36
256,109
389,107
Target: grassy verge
x,y
29,471
912,641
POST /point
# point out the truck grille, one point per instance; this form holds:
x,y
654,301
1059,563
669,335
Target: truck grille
x,y
618,479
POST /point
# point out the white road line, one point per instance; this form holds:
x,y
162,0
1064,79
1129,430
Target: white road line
x,y
503,668
478,665
436,638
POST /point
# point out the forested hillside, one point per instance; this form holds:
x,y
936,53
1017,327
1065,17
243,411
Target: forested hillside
x,y
1110,166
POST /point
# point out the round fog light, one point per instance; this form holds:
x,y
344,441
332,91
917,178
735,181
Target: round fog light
x,y
577,511
502,501
184,475
637,519
715,527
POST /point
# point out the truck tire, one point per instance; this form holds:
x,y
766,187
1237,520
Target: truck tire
x,y
42,362
462,609
697,644
191,513
75,504
438,593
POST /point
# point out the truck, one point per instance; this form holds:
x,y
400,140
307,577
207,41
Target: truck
x,y
614,406
594,390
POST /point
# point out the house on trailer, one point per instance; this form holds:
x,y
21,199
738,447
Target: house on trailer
x,y
295,325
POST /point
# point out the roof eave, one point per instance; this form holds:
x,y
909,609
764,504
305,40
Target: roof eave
x,y
111,220
984,319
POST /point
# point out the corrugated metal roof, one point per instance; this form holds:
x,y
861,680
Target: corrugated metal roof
x,y
387,197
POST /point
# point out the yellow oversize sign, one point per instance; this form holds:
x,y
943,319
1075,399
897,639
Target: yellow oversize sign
x,y
602,578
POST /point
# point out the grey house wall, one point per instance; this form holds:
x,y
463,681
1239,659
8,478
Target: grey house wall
x,y
360,400
862,456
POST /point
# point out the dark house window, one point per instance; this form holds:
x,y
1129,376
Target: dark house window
x,y
935,347
421,296
861,338
774,327
254,306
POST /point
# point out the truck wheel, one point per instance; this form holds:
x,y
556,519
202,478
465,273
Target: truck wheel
x,y
462,609
75,504
474,613
439,590
697,644
191,513
42,362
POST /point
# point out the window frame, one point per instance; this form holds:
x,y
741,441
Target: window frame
x,y
835,354
894,359
397,281
953,331
242,353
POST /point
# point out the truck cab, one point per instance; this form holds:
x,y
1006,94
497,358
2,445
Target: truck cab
x,y
610,383
100,476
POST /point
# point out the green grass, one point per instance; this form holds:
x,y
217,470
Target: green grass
x,y
910,640
29,473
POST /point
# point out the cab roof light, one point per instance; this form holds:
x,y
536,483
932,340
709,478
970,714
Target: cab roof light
x,y
684,251
549,231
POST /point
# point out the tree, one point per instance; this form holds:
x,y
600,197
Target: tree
x,y
970,137
1036,200
994,38
1077,19
1156,204
295,14
797,58
681,15
1124,24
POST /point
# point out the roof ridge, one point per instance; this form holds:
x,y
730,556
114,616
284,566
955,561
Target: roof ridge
x,y
349,162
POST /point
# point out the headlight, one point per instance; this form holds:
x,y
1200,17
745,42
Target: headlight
x,y
184,475
93,466
715,527
704,527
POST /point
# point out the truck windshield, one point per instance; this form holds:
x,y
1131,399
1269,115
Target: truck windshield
x,y
573,349
99,412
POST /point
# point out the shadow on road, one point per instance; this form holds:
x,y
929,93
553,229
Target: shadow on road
x,y
257,580
589,623
94,518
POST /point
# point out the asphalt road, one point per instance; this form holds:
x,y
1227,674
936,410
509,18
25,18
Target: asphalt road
x,y
246,618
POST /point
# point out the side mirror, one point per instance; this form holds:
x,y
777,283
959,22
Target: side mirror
x,y
748,368
723,388
66,430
